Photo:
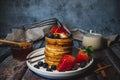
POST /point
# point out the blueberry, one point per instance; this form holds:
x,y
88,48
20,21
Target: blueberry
x,y
50,35
83,64
40,63
48,69
56,36
45,65
36,66
53,67
69,35
75,68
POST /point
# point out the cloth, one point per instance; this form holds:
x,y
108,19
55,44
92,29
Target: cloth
x,y
31,32
16,35
35,31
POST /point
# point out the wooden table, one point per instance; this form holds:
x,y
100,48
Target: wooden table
x,y
12,69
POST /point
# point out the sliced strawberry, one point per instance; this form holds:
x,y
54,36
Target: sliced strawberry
x,y
81,56
66,63
62,30
58,29
54,29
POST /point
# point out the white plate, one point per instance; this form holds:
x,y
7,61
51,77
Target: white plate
x,y
55,74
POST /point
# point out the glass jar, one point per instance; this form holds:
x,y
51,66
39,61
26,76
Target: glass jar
x,y
21,53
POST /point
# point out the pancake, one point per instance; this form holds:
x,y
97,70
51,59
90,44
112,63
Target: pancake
x,y
51,62
54,59
56,48
56,55
58,41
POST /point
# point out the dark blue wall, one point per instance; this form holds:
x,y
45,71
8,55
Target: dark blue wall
x,y
103,16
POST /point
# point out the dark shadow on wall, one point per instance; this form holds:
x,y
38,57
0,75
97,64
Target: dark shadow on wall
x,y
118,10
98,15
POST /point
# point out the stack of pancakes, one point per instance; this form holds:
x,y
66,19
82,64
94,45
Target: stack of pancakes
x,y
56,48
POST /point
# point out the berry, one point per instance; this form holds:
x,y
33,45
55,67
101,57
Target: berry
x,y
36,66
50,35
56,36
48,69
69,35
45,65
83,64
81,56
62,30
66,63
40,63
54,29
58,29
75,68
53,67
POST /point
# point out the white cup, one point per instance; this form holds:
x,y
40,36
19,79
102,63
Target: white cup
x,y
92,39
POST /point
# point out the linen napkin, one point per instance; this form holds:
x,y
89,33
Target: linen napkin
x,y
32,32
36,31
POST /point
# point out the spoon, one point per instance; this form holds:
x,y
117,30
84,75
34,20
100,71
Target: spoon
x,y
20,44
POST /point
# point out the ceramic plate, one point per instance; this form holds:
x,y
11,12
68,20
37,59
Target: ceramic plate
x,y
54,74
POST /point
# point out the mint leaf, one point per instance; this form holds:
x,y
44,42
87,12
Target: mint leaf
x,y
90,49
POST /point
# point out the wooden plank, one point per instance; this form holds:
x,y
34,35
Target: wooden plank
x,y
30,76
11,69
112,59
4,52
116,50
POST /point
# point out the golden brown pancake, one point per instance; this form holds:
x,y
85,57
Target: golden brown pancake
x,y
56,48
58,41
51,62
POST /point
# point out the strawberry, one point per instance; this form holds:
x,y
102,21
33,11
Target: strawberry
x,y
84,54
58,29
54,29
81,56
66,63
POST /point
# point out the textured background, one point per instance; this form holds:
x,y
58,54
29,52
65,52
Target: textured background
x,y
102,16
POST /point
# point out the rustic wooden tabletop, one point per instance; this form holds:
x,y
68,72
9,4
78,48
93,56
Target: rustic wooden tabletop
x,y
12,69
